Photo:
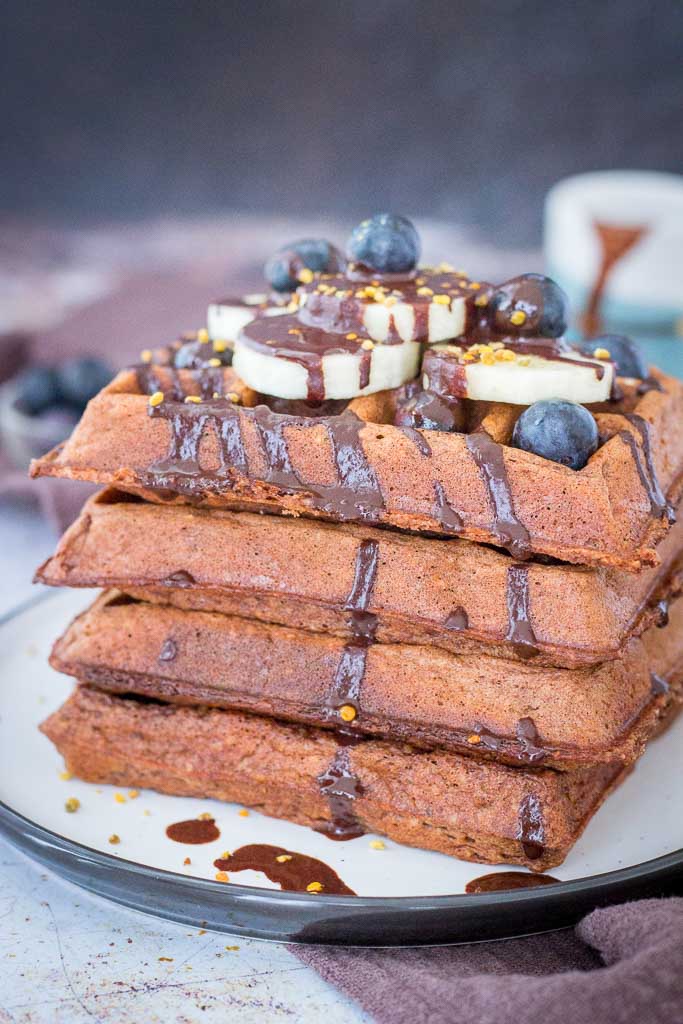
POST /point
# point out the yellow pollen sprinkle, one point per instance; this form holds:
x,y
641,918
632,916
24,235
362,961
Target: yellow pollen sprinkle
x,y
474,738
481,300
220,345
524,360
390,300
305,275
314,887
157,398
114,839
488,358
119,798
342,293
225,855
377,844
351,336
602,353
244,813
133,794
282,858
205,816
215,395
420,280
518,317
475,285
146,355
193,398
66,775
446,268
294,330
360,294
424,290
469,357
463,282
442,300
72,804
222,876
507,355
214,362
233,397
367,344
347,712
203,335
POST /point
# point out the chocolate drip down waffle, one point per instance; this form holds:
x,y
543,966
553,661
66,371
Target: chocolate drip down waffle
x,y
392,557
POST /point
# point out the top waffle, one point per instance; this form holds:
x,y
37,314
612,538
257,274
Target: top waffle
x,y
373,438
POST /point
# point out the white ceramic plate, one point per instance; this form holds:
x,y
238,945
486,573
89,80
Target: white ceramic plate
x,y
642,821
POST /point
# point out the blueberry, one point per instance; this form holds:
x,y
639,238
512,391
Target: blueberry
x,y
530,304
282,269
558,430
37,389
628,357
193,355
80,379
429,411
386,243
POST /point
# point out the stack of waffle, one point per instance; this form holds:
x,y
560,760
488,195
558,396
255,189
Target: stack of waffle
x,y
322,608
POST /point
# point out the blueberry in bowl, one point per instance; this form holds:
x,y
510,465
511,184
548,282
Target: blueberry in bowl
x,y
558,430
386,243
80,379
40,406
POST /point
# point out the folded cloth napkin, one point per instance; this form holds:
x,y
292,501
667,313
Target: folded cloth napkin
x,y
622,965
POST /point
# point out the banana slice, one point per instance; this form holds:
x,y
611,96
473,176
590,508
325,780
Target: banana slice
x,y
287,359
226,317
494,373
429,305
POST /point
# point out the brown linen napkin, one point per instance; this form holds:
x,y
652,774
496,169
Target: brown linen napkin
x,y
622,965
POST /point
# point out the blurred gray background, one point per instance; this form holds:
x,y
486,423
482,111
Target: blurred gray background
x,y
120,109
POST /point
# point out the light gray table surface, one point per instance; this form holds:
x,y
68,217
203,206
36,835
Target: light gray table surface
x,y
70,958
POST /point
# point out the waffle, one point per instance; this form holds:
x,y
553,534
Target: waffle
x,y
355,465
434,800
460,597
478,705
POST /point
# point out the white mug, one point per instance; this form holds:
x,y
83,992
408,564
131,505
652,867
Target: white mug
x,y
614,241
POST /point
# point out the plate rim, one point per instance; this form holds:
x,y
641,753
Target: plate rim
x,y
561,898
585,885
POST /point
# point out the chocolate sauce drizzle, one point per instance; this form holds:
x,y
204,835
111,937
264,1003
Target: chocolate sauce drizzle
x,y
503,881
520,629
419,440
181,579
530,741
169,650
658,685
663,613
457,619
450,520
293,874
488,455
348,678
647,473
356,493
340,786
528,749
531,827
194,832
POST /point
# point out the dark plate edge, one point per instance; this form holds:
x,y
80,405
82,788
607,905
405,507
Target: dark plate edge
x,y
344,920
